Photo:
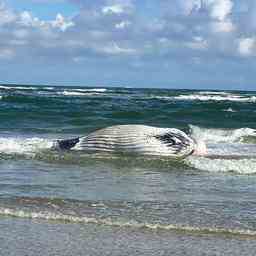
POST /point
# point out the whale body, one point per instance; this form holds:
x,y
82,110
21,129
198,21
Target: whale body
x,y
138,139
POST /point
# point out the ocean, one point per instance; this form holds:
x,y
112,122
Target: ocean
x,y
78,203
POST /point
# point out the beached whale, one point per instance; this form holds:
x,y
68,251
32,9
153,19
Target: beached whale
x,y
138,139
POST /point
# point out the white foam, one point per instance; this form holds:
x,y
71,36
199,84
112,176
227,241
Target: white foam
x,y
226,151
162,97
17,87
239,166
221,135
24,145
4,87
200,97
91,90
229,110
25,88
72,93
116,223
213,92
77,93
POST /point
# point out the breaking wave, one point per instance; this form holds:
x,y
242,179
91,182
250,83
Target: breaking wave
x,y
71,93
216,97
209,96
82,92
51,216
52,90
213,92
91,90
18,87
21,146
215,165
229,150
222,135
230,110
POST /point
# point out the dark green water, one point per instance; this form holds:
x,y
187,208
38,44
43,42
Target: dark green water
x,y
131,200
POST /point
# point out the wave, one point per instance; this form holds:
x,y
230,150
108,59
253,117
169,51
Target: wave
x,y
230,110
24,145
215,165
18,87
208,96
78,92
222,135
51,216
229,150
91,90
70,93
228,97
67,91
47,88
213,92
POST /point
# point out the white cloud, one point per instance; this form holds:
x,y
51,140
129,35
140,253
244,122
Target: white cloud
x,y
21,33
216,9
123,24
61,23
223,26
191,5
116,9
78,59
114,49
6,15
6,53
27,19
246,46
220,9
181,7
198,43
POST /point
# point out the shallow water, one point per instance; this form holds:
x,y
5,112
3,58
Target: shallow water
x,y
30,237
147,205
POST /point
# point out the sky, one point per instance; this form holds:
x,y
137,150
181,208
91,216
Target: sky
x,y
190,44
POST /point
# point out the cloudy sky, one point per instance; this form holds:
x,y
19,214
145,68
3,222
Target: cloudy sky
x,y
136,43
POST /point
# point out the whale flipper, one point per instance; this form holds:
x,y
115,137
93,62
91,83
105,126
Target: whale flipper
x,y
67,144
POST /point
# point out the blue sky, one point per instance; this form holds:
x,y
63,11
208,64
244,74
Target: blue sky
x,y
197,44
45,10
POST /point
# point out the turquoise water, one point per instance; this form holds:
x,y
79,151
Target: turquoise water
x,y
208,199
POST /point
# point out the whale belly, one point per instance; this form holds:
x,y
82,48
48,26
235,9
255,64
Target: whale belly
x,y
141,139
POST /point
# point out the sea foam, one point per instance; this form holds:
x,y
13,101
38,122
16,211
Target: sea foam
x,y
221,135
79,92
91,90
17,87
46,215
18,145
226,150
238,166
216,97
